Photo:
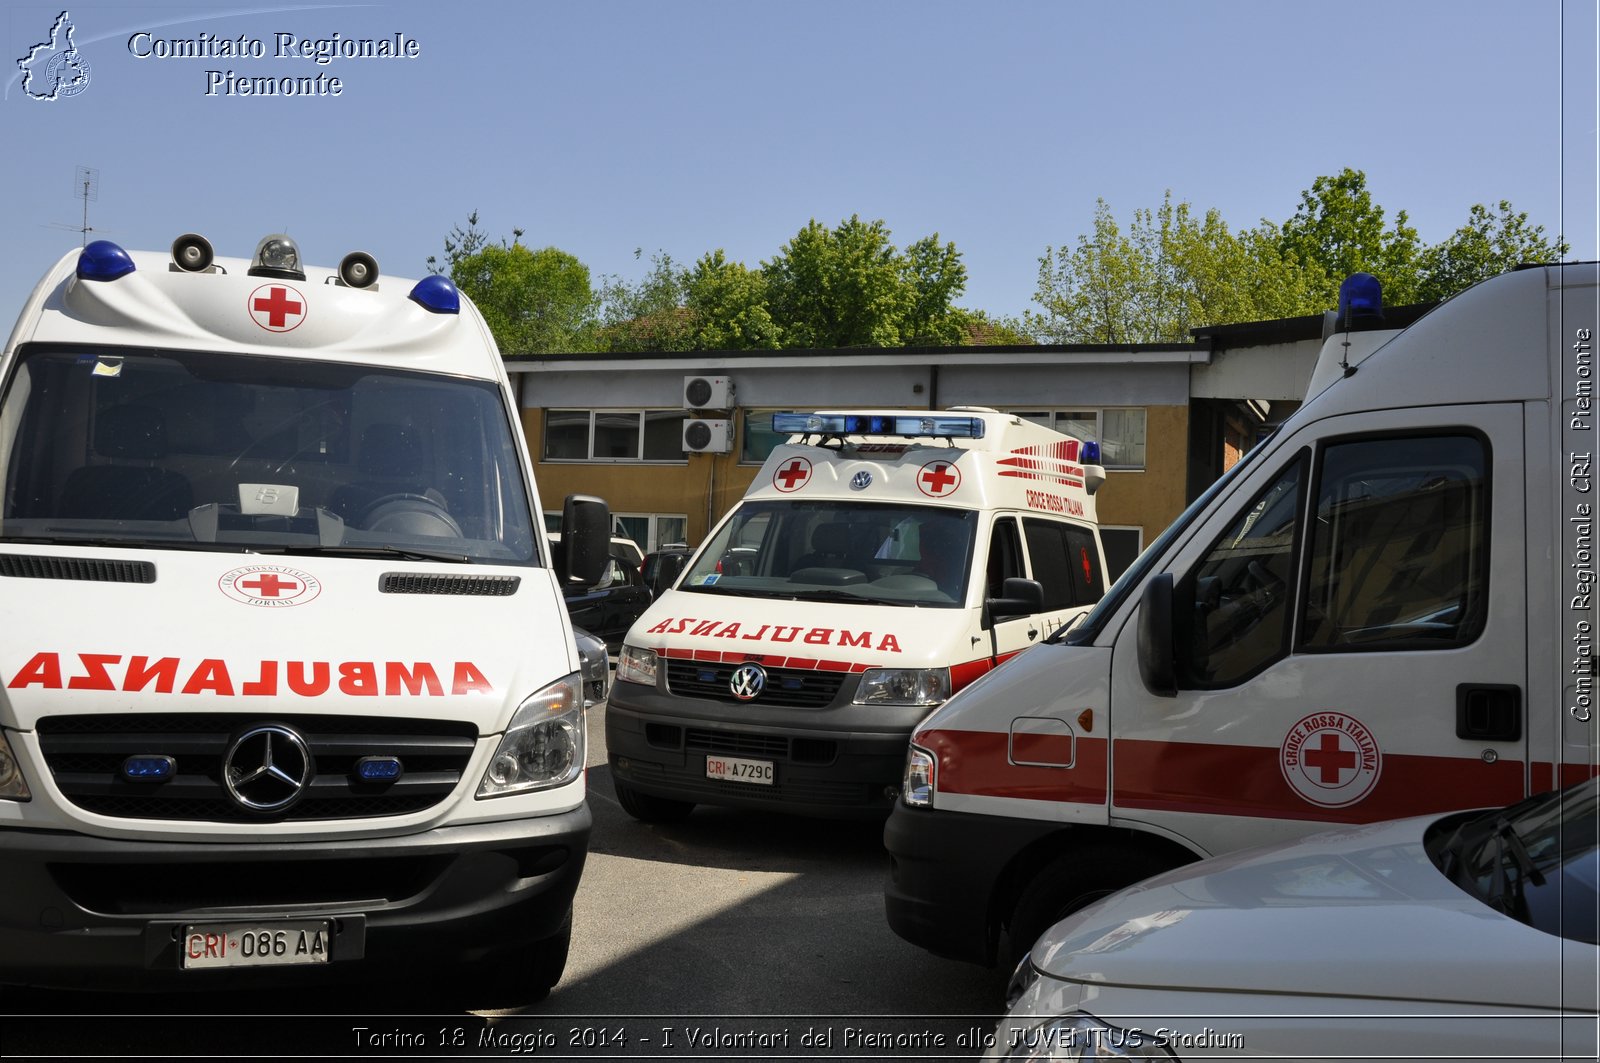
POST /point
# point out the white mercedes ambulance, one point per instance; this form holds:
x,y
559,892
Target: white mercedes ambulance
x,y
287,688
880,561
1387,609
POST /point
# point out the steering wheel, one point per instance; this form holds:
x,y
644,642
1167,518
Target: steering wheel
x,y
409,514
1263,579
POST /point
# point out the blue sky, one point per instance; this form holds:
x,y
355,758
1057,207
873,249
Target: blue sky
x,y
615,125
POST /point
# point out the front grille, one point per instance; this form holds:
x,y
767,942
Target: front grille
x,y
789,688
85,755
737,744
88,569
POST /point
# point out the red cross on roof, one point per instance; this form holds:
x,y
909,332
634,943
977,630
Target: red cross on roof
x,y
277,306
792,475
938,478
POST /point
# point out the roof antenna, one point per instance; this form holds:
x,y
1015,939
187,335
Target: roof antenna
x,y
86,186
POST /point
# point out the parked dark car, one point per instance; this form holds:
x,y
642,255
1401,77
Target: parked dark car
x,y
609,608
661,567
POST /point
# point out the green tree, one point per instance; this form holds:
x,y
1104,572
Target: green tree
x,y
1170,272
1488,244
849,287
727,302
650,315
535,302
1338,230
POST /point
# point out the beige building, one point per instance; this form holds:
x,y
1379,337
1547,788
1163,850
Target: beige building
x,y
671,441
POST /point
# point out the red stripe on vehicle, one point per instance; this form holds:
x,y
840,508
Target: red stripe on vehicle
x,y
979,763
1223,780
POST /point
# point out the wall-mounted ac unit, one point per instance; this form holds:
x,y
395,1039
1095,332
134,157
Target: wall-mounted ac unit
x,y
707,393
707,437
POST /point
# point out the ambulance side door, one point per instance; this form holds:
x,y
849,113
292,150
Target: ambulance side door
x,y
1006,560
1348,637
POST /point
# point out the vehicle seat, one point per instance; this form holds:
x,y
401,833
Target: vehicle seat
x,y
129,485
389,462
830,545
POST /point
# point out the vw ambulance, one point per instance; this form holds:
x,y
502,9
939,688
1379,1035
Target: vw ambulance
x,y
1387,609
880,561
288,691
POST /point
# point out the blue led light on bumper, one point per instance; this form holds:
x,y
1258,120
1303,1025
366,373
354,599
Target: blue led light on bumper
x,y
438,295
379,769
149,768
902,425
103,261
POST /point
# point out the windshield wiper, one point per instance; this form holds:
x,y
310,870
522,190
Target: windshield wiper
x,y
846,596
409,553
122,543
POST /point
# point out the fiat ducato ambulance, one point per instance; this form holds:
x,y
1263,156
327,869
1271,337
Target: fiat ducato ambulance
x,y
1387,609
880,561
287,689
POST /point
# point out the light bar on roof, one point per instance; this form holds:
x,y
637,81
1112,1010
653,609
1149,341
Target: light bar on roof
x,y
902,426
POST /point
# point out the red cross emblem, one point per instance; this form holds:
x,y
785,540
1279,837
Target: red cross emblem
x,y
792,476
1331,759
938,478
277,307
269,585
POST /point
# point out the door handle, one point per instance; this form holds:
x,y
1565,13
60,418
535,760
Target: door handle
x,y
1489,712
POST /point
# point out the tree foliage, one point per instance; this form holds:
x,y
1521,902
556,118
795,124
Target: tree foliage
x,y
535,302
1173,270
649,315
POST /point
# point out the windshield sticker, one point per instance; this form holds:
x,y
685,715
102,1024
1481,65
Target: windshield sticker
x,y
270,586
1330,759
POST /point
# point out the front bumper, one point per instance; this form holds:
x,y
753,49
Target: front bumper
x,y
841,761
945,869
79,911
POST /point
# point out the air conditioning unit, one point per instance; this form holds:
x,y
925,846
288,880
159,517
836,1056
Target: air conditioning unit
x,y
707,437
707,393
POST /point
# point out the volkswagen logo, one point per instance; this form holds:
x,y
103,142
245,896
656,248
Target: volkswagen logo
x,y
267,768
748,681
861,481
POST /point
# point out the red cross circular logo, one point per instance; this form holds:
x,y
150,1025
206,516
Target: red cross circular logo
x,y
792,475
270,586
1331,759
938,478
277,307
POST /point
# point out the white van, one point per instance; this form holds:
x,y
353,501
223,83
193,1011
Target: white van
x,y
287,687
1347,627
880,561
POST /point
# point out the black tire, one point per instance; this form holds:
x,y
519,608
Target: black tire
x,y
648,808
1066,884
522,976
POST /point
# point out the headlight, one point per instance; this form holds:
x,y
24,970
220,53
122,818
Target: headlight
x,y
635,665
1022,979
1080,1036
904,686
12,786
543,747
917,787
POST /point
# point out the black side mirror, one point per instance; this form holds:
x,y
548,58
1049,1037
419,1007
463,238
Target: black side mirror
x,y
1018,597
1158,665
585,540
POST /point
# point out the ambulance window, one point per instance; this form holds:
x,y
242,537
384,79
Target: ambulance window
x,y
1230,614
1399,550
1005,556
1066,561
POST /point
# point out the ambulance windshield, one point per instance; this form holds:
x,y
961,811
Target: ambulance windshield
x,y
839,551
187,449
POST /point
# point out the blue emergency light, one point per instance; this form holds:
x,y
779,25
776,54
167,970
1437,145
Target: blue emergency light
x,y
103,261
1089,453
1360,296
378,769
860,424
437,295
149,768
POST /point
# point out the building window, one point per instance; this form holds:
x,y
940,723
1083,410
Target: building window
x,y
1118,429
613,435
758,438
652,531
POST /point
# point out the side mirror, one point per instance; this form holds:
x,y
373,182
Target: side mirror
x,y
1157,662
585,540
1018,597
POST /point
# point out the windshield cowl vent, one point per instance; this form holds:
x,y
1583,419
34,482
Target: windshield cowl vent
x,y
424,583
92,570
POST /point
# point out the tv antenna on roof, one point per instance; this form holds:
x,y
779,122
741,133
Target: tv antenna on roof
x,y
86,186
